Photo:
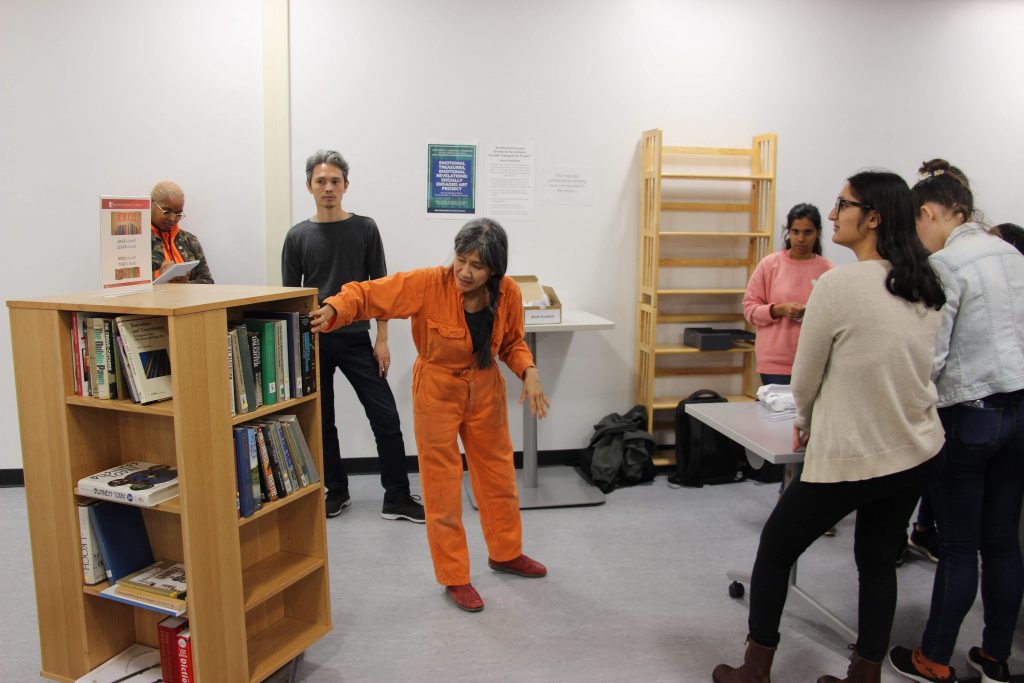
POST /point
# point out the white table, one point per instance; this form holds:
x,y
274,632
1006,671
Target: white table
x,y
559,486
748,424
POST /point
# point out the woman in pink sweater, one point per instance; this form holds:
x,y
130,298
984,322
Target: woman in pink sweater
x,y
778,291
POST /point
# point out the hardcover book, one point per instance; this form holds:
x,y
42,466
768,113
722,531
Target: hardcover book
x,y
164,577
185,673
137,664
167,636
146,349
122,537
140,483
92,559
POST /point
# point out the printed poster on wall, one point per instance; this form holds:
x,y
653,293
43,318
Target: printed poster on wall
x,y
126,264
451,180
509,179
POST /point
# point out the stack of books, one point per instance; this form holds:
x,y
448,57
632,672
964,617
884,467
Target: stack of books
x,y
159,587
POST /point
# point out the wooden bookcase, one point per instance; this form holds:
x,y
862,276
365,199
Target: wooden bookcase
x,y
706,220
258,591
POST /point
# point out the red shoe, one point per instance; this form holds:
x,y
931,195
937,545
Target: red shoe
x,y
465,597
522,565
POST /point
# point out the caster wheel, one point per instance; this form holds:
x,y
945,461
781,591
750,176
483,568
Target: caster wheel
x,y
736,590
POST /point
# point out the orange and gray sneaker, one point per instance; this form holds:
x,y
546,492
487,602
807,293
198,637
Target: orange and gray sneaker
x,y
913,665
465,597
521,566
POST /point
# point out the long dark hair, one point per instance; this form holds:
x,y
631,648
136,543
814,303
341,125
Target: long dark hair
x,y
911,276
811,213
489,239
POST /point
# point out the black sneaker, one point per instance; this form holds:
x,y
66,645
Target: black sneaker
x,y
409,508
925,543
908,664
991,671
336,500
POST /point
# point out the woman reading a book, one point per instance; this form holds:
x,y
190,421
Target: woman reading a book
x,y
463,316
866,415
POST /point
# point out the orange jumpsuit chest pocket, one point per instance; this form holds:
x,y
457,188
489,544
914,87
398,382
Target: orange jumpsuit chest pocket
x,y
448,345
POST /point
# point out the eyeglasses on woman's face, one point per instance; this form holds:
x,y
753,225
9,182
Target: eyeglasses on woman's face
x,y
842,203
170,214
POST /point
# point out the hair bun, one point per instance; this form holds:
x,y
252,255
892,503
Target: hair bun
x,y
938,167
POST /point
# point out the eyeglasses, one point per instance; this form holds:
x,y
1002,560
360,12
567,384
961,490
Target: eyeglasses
x,y
842,203
167,212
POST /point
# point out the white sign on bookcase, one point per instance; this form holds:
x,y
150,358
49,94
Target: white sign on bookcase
x,y
126,264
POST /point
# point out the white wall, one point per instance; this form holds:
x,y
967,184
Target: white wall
x,y
108,98
845,85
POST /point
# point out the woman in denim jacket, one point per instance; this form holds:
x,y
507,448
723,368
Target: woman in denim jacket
x,y
979,374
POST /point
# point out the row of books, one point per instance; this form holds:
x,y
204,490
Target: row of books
x,y
270,359
272,460
120,357
116,548
171,663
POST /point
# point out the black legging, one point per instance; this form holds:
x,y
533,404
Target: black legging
x,y
805,512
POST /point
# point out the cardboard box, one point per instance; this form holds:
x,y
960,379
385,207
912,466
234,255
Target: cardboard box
x,y
532,291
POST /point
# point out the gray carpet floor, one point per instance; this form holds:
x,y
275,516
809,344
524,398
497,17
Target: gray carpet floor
x,y
636,591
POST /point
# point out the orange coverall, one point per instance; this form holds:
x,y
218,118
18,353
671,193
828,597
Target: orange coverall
x,y
453,398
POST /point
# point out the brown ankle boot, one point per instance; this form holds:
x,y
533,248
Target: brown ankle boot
x,y
757,666
860,671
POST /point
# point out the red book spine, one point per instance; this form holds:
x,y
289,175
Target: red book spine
x,y
184,663
167,631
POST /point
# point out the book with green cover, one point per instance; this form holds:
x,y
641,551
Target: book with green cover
x,y
265,328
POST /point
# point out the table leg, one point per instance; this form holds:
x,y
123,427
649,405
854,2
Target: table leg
x,y
559,487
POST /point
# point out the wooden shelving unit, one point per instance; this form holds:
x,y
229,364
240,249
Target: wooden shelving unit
x,y
706,217
258,587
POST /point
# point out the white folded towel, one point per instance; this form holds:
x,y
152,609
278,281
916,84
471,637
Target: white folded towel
x,y
777,397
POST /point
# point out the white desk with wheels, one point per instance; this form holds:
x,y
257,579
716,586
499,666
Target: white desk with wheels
x,y
748,424
558,486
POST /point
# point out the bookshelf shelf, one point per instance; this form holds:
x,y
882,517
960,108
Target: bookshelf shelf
x,y
271,507
161,408
269,577
286,636
258,590
282,407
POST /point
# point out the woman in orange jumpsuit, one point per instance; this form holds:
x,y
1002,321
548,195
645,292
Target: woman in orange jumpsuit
x,y
462,316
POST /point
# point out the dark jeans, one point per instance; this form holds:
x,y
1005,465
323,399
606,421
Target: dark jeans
x,y
353,355
805,512
977,501
925,512
775,379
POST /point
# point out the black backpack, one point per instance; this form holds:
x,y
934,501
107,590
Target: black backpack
x,y
704,455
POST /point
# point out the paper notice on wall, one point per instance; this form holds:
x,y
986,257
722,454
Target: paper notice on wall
x,y
451,180
566,185
509,172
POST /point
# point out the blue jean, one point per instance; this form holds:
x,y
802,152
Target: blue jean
x,y
352,353
775,379
977,504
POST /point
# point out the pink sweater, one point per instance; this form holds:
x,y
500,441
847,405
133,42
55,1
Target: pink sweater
x,y
779,279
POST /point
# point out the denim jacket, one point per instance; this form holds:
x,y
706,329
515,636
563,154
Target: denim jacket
x,y
979,350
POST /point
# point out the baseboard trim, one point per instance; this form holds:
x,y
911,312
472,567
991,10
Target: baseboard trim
x,y
16,477
567,456
12,477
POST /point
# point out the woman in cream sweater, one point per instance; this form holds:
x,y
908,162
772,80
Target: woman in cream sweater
x,y
866,414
